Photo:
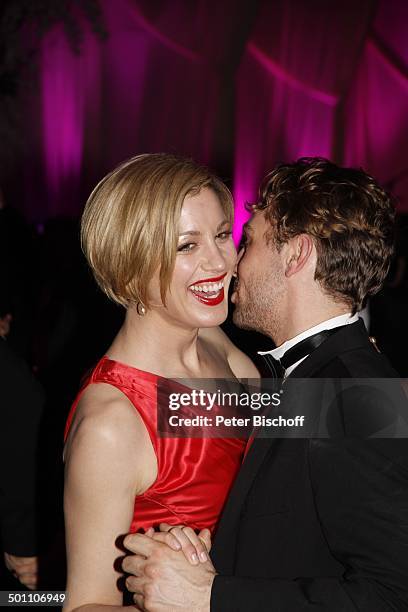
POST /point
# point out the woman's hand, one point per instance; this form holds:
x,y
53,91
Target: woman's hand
x,y
195,547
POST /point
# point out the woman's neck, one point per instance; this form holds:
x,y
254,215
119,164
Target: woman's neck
x,y
156,345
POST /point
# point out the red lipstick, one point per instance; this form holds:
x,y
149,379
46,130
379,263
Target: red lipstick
x,y
209,298
210,280
208,301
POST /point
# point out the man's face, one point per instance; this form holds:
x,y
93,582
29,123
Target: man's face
x,y
260,289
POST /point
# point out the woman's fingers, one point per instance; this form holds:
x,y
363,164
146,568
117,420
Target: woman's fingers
x,y
193,546
167,538
166,527
150,532
205,536
198,542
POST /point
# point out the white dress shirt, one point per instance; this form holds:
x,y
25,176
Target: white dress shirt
x,y
277,353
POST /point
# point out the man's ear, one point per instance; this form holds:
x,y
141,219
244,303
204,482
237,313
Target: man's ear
x,y
298,252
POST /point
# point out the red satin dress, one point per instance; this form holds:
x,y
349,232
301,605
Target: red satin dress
x,y
194,474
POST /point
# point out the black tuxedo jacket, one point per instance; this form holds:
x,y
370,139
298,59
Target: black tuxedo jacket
x,y
318,525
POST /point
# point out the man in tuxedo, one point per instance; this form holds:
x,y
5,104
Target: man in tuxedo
x,y
315,523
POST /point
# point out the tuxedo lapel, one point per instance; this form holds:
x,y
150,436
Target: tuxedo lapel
x,y
346,339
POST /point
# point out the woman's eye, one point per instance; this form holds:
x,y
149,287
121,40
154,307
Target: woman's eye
x,y
186,248
224,235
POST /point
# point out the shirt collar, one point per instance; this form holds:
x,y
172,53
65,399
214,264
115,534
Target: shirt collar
x,y
278,352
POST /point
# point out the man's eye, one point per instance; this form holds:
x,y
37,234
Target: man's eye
x,y
186,248
224,235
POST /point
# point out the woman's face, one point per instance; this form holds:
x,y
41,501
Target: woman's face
x,y
205,260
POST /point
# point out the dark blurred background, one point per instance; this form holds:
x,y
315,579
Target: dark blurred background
x,y
238,85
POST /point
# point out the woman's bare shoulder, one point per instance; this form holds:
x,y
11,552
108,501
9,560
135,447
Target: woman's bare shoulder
x,y
106,422
240,364
105,410
102,400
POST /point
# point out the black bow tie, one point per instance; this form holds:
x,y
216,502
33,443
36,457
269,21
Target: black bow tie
x,y
278,367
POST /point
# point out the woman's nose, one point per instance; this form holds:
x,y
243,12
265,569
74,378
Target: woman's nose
x,y
214,259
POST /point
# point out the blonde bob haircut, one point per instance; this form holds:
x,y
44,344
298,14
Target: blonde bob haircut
x,y
129,227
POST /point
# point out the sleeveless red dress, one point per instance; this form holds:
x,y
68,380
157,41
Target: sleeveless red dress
x,y
194,474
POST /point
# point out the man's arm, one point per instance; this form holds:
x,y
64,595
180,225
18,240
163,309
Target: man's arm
x,y
361,497
360,490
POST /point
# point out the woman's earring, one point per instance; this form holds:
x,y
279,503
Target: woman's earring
x,y
141,309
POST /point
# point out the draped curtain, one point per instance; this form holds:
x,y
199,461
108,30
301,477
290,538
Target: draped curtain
x,y
240,86
319,78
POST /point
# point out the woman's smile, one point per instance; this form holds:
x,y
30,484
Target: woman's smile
x,y
210,291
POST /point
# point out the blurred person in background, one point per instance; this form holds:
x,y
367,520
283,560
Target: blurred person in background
x,y
21,401
18,273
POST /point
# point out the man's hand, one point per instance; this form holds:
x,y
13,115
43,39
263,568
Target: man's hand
x,y
25,569
162,579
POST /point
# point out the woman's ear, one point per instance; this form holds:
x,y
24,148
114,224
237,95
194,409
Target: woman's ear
x,y
298,253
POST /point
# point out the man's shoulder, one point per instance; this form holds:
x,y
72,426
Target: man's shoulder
x,y
361,362
367,398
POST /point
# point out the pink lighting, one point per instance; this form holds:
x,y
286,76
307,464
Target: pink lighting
x,y
300,83
63,115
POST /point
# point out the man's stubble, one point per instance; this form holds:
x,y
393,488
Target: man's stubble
x,y
260,303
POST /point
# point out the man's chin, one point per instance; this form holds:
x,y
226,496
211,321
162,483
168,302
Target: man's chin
x,y
242,321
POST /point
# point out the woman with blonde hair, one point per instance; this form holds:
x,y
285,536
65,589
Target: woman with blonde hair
x,y
157,235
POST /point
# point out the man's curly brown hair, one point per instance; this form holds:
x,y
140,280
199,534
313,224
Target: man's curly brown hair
x,y
350,217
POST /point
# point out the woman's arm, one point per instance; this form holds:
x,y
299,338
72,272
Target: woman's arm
x,y
109,460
